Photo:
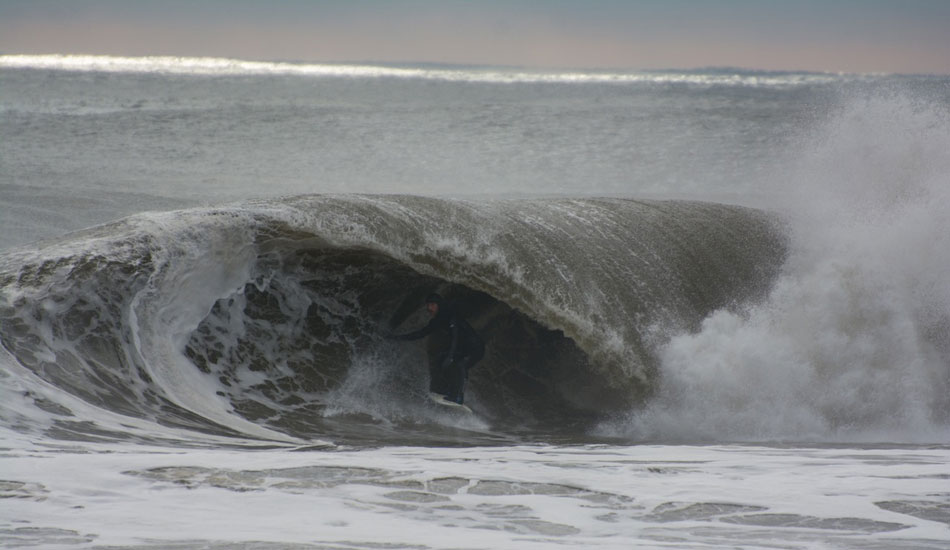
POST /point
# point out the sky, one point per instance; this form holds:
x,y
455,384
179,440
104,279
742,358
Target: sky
x,y
858,36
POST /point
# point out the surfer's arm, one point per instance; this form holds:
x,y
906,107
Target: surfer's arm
x,y
416,334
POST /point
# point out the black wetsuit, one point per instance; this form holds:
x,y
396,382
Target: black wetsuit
x,y
465,349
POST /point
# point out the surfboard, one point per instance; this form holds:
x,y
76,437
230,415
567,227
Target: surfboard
x,y
439,399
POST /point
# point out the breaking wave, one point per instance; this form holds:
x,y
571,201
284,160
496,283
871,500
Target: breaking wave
x,y
268,319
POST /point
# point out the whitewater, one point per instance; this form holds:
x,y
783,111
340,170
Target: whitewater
x,y
715,304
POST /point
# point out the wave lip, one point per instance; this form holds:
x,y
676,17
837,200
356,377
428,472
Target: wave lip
x,y
216,66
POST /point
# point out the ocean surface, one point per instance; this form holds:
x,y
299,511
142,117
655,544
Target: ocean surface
x,y
716,306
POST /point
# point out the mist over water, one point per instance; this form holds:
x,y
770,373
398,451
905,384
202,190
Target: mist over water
x,y
853,340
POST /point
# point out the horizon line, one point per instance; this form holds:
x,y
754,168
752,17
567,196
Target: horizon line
x,y
435,66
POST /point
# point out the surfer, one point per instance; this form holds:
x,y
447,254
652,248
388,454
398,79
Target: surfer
x,y
465,348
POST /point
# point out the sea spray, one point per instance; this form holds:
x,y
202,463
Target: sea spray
x,y
853,341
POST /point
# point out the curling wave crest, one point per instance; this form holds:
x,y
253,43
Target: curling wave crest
x,y
268,319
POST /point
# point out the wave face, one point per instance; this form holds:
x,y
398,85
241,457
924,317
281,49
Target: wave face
x,y
268,319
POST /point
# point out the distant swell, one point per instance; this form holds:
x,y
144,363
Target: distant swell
x,y
211,66
271,316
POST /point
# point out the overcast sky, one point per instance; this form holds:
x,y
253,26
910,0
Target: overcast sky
x,y
903,36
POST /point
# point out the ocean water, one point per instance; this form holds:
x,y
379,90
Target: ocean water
x,y
716,306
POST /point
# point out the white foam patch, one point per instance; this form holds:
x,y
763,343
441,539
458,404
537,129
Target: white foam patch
x,y
499,498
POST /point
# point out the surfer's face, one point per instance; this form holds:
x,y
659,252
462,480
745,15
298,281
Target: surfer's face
x,y
432,308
